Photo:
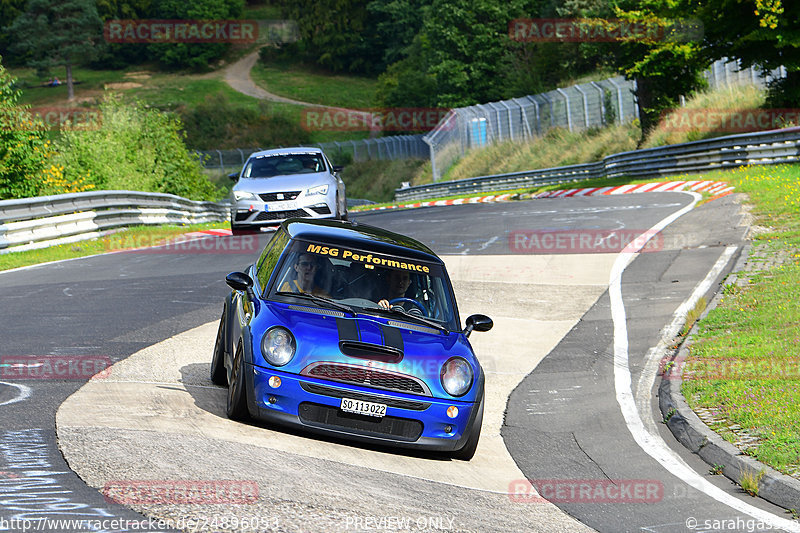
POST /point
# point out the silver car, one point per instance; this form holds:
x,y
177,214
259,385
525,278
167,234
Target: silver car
x,y
275,185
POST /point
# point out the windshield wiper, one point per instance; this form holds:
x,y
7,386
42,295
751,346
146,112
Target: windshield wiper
x,y
422,320
319,299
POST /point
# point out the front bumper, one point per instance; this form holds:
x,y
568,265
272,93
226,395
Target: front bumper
x,y
251,213
313,404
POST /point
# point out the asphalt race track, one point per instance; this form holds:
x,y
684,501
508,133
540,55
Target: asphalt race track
x,y
557,410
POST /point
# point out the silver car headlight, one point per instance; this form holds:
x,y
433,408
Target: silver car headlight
x,y
319,189
278,346
456,376
244,195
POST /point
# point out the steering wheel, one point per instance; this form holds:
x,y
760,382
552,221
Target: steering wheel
x,y
415,303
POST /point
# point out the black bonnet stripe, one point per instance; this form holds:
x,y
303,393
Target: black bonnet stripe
x,y
392,337
348,330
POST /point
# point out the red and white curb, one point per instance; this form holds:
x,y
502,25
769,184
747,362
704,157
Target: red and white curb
x,y
207,232
715,188
458,201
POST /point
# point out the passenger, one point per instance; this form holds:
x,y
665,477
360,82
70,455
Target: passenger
x,y
398,282
305,269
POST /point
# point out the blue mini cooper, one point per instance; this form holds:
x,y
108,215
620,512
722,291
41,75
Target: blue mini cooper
x,y
351,331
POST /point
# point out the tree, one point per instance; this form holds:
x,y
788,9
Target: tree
x,y
460,55
665,66
336,34
396,23
9,10
192,55
761,33
58,33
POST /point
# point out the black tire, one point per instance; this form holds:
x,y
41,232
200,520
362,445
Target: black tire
x,y
218,374
468,451
236,230
237,395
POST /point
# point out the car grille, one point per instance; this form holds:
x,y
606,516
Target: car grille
x,y
338,393
333,418
322,210
273,196
280,215
242,216
367,377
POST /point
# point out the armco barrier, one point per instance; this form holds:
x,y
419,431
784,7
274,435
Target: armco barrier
x,y
44,221
762,148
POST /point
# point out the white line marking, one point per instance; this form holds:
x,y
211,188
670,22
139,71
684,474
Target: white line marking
x,y
648,375
24,393
489,242
651,444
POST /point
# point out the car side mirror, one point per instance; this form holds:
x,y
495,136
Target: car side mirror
x,y
337,168
234,176
239,281
478,323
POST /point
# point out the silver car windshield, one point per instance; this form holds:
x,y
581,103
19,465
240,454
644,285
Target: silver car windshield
x,y
362,280
283,165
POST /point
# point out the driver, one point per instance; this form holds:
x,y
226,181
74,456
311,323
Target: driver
x,y
398,282
309,163
305,268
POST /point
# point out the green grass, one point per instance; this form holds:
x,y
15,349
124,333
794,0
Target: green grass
x,y
131,238
306,84
726,101
745,360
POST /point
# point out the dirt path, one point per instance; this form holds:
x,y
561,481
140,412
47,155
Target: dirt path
x,y
237,75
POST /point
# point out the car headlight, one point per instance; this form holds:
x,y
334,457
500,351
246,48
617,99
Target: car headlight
x,y
456,376
244,195
319,189
278,346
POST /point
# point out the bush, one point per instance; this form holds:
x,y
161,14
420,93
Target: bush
x,y
377,180
24,149
216,124
133,148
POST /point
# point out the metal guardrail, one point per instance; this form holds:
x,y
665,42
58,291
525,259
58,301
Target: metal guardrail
x,y
31,223
762,148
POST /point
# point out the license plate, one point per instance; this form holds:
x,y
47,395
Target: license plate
x,y
288,205
361,407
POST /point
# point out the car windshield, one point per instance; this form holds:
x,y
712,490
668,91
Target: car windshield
x,y
368,282
267,166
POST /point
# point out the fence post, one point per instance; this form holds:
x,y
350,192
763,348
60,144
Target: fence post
x,y
526,131
510,120
536,112
569,111
619,98
432,154
602,102
585,106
